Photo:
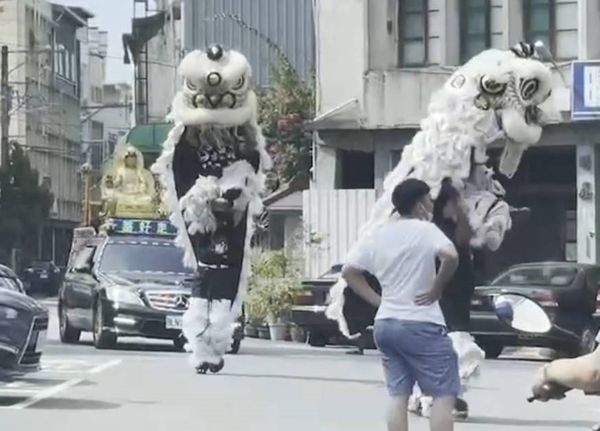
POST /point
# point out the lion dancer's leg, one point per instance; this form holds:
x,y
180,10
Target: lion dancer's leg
x,y
208,322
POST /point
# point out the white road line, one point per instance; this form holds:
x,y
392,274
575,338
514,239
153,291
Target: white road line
x,y
104,367
45,394
50,392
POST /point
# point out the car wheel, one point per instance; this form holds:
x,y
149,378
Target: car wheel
x,y
68,334
179,343
492,350
103,339
316,339
235,347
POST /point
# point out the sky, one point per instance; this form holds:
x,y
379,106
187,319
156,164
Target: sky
x,y
113,16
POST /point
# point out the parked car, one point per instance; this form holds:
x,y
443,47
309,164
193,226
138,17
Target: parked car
x,y
42,277
309,310
568,292
23,326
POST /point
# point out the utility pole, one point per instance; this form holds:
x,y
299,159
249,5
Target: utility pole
x,y
4,118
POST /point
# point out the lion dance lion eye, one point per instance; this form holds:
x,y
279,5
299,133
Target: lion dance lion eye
x,y
528,88
491,86
240,83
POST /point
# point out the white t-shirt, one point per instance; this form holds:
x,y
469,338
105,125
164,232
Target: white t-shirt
x,y
401,254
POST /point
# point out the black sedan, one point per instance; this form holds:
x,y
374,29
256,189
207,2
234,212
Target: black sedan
x,y
309,310
120,286
127,286
23,327
568,292
42,277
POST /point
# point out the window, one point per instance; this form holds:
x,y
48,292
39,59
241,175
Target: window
x,y
540,22
475,34
357,170
554,22
413,32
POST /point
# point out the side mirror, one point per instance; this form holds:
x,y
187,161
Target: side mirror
x,y
522,314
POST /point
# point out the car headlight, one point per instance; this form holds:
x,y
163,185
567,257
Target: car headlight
x,y
8,313
124,295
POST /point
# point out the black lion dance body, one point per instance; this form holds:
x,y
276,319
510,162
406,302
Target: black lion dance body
x,y
212,168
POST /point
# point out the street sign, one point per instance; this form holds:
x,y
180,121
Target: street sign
x,y
585,90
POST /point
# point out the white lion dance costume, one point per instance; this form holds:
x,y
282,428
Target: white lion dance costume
x,y
495,96
212,169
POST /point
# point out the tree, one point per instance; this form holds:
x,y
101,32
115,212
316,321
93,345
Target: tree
x,y
24,206
283,110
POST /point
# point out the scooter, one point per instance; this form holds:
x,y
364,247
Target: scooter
x,y
525,315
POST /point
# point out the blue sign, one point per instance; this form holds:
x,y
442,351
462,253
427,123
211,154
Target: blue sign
x,y
585,90
140,227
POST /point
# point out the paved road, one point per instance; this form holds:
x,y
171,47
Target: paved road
x,y
267,387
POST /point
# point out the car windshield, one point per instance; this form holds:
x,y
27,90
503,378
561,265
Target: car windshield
x,y
142,257
9,284
559,276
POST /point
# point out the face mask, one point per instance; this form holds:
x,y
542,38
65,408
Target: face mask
x,y
426,214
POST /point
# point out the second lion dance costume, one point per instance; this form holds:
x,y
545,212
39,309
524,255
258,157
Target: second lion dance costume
x,y
212,168
493,97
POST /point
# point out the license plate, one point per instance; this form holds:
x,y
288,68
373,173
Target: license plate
x,y
41,342
43,276
174,322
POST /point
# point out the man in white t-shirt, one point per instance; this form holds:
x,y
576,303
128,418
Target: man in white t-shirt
x,y
410,330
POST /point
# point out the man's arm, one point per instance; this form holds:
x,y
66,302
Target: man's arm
x,y
448,263
358,283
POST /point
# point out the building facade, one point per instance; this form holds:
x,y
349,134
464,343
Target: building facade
x,y
370,104
260,29
94,48
45,82
154,48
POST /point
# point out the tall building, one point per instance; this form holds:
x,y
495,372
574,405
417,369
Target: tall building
x,y
94,48
261,29
154,49
44,119
370,104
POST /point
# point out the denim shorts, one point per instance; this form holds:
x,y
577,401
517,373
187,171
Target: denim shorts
x,y
417,352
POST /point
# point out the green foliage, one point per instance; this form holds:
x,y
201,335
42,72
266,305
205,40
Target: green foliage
x,y
24,206
283,109
273,286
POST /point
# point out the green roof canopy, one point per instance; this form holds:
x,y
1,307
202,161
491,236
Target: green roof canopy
x,y
148,138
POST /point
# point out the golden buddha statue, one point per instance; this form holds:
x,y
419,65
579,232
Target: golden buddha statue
x,y
128,190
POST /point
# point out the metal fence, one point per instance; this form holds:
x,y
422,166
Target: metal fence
x,y
257,28
332,219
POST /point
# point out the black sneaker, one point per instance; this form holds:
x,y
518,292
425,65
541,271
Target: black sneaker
x,y
461,409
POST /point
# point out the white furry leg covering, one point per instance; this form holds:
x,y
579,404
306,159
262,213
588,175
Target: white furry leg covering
x,y
208,327
470,356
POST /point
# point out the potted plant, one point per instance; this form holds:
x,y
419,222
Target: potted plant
x,y
273,287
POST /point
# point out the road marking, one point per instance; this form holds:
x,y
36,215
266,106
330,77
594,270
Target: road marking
x,y
40,396
105,367
50,392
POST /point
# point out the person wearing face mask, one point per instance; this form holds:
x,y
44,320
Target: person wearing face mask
x,y
410,330
450,217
